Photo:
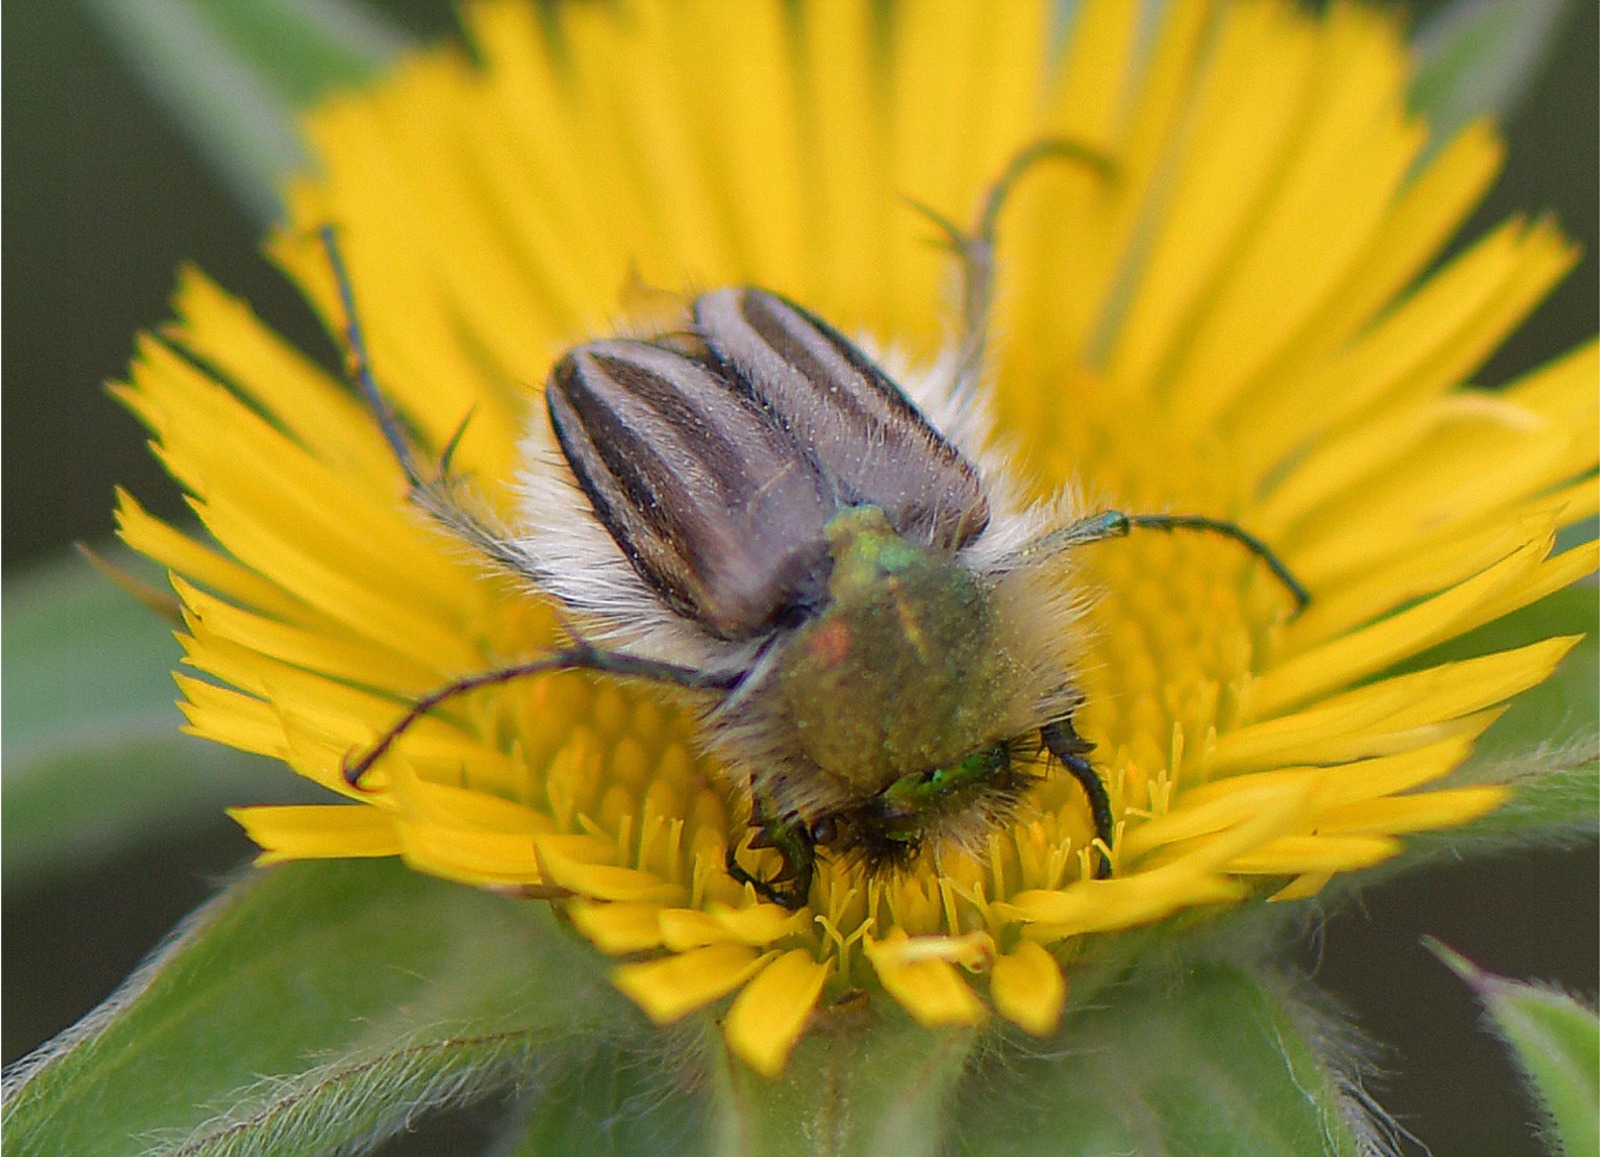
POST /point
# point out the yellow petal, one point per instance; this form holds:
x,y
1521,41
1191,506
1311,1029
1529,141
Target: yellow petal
x,y
227,716
1343,661
769,1015
1290,796
930,990
566,861
1302,887
757,925
1284,408
313,831
1107,905
1028,988
618,929
1294,855
671,988
337,656
182,555
1391,715
1413,813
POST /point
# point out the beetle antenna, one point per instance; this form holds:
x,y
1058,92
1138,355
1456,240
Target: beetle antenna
x,y
1115,524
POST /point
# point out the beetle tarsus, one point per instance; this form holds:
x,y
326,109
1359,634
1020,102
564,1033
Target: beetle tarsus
x,y
791,839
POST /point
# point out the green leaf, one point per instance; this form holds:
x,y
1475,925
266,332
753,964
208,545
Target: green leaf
x,y
315,1005
86,664
1555,1042
1476,58
1552,805
94,761
88,806
1211,1059
867,1082
641,1103
234,76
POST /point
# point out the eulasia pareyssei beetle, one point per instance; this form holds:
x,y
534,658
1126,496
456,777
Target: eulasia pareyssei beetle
x,y
839,568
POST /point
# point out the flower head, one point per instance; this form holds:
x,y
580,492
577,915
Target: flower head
x,y
1244,322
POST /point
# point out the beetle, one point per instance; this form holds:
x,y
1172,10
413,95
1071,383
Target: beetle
x,y
749,507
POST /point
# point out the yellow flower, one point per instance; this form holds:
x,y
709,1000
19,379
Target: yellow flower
x,y
1243,322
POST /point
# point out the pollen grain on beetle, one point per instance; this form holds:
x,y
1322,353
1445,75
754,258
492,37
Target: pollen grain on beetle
x,y
1084,724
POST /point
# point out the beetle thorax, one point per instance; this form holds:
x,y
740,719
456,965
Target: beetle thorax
x,y
904,670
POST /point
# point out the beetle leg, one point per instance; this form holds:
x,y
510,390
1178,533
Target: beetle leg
x,y
975,249
1072,749
791,839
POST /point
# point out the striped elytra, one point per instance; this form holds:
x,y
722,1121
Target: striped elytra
x,y
716,469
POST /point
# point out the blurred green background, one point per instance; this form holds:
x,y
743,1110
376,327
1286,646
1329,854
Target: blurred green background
x,y
104,200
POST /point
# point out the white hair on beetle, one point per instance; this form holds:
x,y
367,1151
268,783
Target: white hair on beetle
x,y
562,543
